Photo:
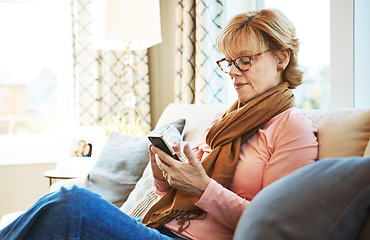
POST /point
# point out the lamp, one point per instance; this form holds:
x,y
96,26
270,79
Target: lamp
x,y
126,25
119,24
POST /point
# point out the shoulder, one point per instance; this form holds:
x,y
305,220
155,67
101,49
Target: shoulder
x,y
293,118
292,124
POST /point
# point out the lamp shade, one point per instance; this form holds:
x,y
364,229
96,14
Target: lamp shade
x,y
118,24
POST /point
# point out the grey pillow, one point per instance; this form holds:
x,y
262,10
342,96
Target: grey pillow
x,y
328,199
121,164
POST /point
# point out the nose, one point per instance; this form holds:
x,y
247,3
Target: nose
x,y
234,71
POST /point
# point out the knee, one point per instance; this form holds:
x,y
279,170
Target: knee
x,y
74,192
74,195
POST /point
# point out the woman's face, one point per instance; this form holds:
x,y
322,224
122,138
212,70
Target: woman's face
x,y
87,149
261,76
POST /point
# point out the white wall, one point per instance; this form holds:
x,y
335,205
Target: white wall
x,y
162,62
341,56
22,185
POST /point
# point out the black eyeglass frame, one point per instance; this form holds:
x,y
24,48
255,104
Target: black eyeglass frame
x,y
251,58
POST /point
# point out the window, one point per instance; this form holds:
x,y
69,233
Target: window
x,y
36,90
361,54
314,53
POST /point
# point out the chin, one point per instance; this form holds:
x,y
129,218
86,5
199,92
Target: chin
x,y
246,96
243,100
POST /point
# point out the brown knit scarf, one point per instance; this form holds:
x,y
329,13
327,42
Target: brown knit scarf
x,y
225,138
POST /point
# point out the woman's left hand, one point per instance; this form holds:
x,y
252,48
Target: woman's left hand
x,y
186,176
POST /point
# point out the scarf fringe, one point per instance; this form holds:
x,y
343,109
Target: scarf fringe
x,y
182,217
184,220
158,220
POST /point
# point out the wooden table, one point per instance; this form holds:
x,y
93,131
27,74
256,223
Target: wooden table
x,y
58,174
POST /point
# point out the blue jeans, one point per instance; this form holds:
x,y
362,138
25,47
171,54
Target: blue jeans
x,y
78,214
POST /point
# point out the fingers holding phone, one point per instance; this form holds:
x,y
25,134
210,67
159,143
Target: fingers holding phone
x,y
157,171
161,143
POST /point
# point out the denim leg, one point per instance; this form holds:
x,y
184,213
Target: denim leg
x,y
77,214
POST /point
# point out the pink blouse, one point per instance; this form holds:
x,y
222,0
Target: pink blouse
x,y
284,144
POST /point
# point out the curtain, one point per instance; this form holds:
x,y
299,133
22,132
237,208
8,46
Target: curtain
x,y
197,77
102,90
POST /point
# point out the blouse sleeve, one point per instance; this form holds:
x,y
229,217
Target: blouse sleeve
x,y
295,145
220,202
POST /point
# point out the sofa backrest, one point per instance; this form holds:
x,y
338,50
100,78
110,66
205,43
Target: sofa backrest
x,y
342,132
198,117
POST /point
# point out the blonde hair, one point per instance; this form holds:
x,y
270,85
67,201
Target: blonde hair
x,y
265,29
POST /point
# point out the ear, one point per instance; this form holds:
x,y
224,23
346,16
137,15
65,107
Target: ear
x,y
283,58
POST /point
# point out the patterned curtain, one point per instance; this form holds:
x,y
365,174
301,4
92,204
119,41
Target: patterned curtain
x,y
197,78
102,87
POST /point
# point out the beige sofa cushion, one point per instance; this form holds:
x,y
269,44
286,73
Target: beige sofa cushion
x,y
342,132
367,151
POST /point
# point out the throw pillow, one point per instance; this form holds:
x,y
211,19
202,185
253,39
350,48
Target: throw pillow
x,y
121,164
328,199
142,198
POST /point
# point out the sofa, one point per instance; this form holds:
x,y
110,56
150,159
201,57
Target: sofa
x,y
343,134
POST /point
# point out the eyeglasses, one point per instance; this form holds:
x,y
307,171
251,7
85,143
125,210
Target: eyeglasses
x,y
242,63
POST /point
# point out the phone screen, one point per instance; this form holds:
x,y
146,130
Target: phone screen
x,y
160,142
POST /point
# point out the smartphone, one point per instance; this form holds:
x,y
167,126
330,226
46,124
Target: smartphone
x,y
161,143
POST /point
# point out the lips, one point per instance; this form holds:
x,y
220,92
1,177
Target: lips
x,y
239,85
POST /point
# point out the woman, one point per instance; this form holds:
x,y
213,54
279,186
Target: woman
x,y
87,150
261,138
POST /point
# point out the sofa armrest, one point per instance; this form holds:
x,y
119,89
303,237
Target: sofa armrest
x,y
79,182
